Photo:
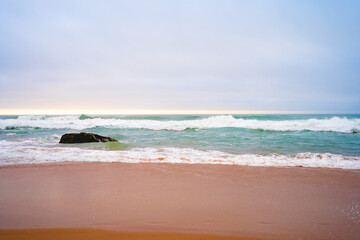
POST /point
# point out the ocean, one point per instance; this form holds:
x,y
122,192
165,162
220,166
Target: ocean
x,y
325,141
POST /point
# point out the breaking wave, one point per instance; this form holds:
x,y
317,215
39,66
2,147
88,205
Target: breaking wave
x,y
33,152
334,124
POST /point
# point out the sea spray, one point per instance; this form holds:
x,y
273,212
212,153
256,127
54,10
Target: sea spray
x,y
333,124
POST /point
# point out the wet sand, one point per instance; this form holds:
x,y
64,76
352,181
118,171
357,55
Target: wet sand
x,y
266,203
91,234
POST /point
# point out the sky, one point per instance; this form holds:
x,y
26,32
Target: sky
x,y
180,55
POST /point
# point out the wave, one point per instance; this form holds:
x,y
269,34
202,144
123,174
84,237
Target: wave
x,y
34,152
334,124
83,116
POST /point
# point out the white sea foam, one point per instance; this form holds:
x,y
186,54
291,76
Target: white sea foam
x,y
33,152
334,124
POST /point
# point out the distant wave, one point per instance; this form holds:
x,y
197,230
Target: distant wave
x,y
83,117
33,152
334,124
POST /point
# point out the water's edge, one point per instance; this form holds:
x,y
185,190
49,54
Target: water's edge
x,y
326,141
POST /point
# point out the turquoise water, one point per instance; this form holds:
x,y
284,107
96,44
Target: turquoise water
x,y
228,136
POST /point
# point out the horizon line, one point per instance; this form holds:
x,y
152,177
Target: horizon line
x,y
145,112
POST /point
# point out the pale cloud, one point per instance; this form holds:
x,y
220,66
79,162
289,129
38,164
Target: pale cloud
x,y
225,55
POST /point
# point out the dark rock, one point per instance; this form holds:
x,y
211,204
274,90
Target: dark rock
x,y
84,138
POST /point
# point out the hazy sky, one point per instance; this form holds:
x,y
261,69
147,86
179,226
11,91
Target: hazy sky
x,y
209,55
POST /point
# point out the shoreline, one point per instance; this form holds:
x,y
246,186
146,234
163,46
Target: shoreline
x,y
225,200
81,163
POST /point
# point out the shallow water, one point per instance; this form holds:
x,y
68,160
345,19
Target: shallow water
x,y
259,140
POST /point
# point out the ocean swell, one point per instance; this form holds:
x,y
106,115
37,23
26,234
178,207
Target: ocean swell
x,y
334,124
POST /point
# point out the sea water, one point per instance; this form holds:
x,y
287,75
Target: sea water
x,y
329,141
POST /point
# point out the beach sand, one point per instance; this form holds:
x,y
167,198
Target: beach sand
x,y
91,234
166,201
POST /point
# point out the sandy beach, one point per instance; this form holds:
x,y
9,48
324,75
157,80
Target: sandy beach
x,y
90,234
218,200
179,120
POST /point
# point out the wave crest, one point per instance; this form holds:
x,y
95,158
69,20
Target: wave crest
x,y
334,124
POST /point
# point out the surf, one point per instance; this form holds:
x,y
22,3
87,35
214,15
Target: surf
x,y
333,124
